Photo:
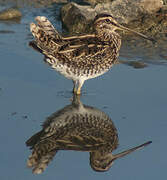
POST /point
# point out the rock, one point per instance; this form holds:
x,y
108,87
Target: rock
x,y
165,2
94,2
150,6
134,64
60,1
77,18
9,14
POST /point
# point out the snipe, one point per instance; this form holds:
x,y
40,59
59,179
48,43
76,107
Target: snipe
x,y
77,127
83,57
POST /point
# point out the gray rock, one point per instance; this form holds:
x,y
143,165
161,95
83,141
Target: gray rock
x,y
94,2
77,18
9,14
60,1
165,2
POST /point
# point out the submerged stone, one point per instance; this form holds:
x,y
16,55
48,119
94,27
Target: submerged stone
x,y
9,14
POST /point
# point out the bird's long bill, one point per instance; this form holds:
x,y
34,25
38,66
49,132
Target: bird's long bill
x,y
124,153
140,34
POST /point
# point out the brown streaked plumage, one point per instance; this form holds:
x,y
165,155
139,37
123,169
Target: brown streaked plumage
x,y
79,57
76,127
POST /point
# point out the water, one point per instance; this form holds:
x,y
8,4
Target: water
x,y
135,100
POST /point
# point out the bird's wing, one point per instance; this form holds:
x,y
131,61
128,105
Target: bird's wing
x,y
83,51
73,137
79,142
84,47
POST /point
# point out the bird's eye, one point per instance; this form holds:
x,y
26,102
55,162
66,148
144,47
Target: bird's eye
x,y
107,20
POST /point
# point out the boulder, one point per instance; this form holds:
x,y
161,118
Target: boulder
x,y
76,18
10,13
165,2
94,2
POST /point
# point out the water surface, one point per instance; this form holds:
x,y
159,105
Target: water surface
x,y
135,100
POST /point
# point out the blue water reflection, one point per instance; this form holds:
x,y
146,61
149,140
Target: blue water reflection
x,y
77,127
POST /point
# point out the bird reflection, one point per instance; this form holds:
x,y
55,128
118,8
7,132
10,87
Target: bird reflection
x,y
76,127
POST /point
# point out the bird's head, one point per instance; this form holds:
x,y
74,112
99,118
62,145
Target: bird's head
x,y
102,162
105,23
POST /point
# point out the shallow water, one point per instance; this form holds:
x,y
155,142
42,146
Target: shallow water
x,y
135,100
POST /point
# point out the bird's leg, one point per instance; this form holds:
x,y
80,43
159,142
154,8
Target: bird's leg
x,y
75,86
80,84
76,100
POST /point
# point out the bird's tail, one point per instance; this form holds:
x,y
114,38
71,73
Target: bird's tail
x,y
45,35
40,159
44,24
43,152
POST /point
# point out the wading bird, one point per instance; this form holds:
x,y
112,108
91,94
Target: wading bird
x,y
83,57
77,127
